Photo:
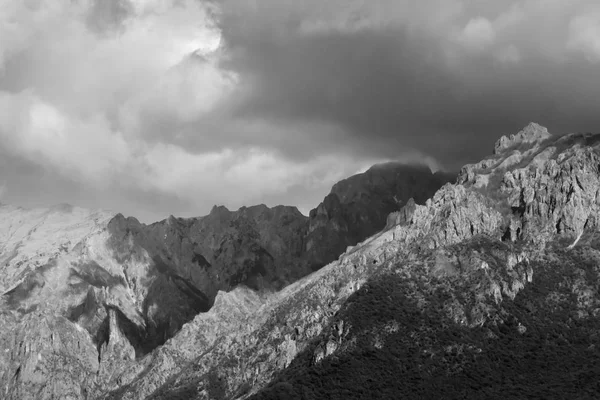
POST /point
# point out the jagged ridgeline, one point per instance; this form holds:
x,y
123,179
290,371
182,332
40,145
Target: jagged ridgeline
x,y
486,289
489,290
89,298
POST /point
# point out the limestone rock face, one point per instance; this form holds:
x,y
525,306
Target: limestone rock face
x,y
45,357
117,351
560,196
549,188
454,213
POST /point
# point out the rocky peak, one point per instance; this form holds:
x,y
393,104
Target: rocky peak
x,y
120,220
219,210
552,188
531,134
358,206
256,209
171,220
376,178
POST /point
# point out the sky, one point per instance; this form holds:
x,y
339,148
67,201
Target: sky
x,y
160,107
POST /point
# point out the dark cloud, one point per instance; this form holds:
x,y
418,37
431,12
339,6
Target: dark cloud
x,y
29,185
392,88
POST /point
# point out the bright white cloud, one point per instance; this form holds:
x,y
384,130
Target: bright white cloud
x,y
183,93
83,149
243,175
531,26
93,154
584,35
478,34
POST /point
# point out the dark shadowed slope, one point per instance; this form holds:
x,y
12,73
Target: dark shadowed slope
x,y
431,331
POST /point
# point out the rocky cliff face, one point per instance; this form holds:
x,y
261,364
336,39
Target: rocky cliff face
x,y
190,260
107,290
358,207
489,290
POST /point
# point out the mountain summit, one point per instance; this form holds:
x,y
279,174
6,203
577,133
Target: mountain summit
x,y
532,133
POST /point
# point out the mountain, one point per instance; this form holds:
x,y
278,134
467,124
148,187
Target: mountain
x,y
358,206
489,290
187,261
91,299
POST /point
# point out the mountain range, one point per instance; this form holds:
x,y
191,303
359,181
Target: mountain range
x,y
117,289
399,284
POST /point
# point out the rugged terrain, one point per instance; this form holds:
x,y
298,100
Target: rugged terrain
x,y
89,298
489,290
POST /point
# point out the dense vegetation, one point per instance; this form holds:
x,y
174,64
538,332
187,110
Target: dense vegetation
x,y
404,340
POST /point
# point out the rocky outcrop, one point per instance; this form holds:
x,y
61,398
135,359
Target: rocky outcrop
x,y
233,312
558,196
551,188
117,351
531,134
45,357
453,214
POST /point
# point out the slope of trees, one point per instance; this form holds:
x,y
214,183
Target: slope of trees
x,y
404,340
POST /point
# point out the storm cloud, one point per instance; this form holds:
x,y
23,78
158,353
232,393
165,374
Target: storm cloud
x,y
444,78
166,107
